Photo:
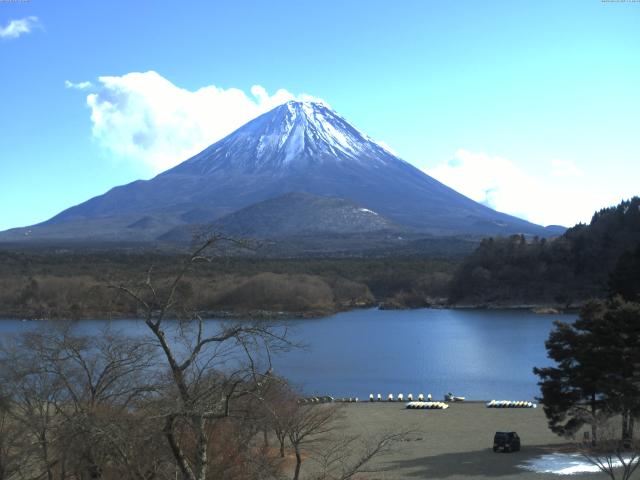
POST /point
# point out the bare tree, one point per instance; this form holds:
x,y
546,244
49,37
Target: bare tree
x,y
279,404
70,393
134,445
208,370
31,405
307,425
11,442
612,454
343,458
102,376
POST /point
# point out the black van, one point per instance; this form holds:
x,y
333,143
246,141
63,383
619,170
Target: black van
x,y
506,441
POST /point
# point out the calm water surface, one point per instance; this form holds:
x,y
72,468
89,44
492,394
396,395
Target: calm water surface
x,y
480,354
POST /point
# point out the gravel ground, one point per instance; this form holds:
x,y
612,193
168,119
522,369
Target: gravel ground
x,y
455,443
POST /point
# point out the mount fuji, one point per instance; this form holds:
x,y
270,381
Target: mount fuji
x,y
299,151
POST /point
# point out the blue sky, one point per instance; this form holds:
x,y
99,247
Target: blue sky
x,y
528,106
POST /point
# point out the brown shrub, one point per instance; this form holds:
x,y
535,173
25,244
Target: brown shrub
x,y
280,292
347,292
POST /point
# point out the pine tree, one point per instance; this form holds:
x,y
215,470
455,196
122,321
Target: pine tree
x,y
625,278
597,370
619,336
572,393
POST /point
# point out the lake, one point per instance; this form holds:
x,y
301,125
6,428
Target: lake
x,y
480,354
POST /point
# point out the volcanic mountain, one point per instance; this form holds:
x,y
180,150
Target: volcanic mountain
x,y
302,147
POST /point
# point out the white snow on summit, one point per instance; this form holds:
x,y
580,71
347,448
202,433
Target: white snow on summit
x,y
294,135
314,128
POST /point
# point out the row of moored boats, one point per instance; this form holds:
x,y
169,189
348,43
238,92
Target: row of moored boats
x,y
510,404
420,403
400,398
428,405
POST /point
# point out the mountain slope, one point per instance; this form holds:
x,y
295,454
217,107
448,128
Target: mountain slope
x,y
301,213
296,147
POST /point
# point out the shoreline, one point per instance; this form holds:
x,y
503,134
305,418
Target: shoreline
x,y
264,315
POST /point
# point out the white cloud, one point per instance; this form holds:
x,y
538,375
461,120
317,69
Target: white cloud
x,y
78,86
565,168
15,28
491,180
145,118
557,197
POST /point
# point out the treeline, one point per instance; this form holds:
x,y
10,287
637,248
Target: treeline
x,y
577,266
76,285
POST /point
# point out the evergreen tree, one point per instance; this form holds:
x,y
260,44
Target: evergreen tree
x,y
572,394
625,278
619,337
597,369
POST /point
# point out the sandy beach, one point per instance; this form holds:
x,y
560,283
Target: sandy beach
x,y
456,443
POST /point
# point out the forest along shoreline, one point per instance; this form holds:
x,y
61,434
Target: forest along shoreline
x,y
43,285
538,274
38,285
266,315
71,284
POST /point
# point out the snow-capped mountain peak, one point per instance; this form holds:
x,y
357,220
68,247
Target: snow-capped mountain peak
x,y
313,124
293,135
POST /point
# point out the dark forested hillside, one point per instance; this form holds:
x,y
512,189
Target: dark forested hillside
x,y
571,268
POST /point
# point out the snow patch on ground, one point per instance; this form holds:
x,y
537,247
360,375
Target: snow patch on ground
x,y
562,464
295,144
366,210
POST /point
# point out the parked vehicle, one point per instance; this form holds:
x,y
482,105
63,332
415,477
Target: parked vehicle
x,y
506,441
